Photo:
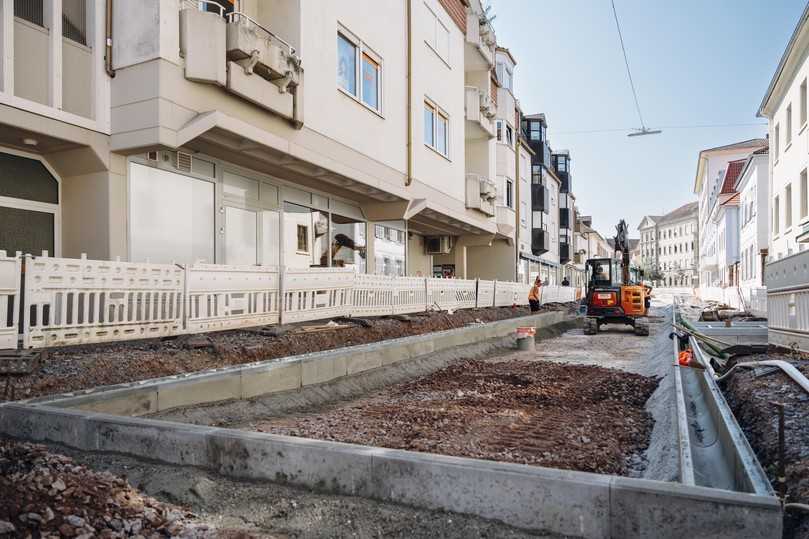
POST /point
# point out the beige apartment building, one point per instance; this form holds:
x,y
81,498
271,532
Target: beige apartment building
x,y
298,133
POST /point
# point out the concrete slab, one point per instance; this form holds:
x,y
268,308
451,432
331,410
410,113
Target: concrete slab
x,y
317,370
362,361
129,401
44,424
272,378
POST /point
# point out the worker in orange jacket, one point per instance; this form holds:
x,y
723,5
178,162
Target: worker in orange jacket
x,y
534,295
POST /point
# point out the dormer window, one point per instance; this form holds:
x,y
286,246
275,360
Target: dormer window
x,y
505,76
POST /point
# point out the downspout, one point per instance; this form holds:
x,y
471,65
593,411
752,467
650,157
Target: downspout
x,y
517,206
108,41
409,24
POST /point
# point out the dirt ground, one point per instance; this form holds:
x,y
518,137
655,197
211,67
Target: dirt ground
x,y
82,367
221,507
569,417
750,393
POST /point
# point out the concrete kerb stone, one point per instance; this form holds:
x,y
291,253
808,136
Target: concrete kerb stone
x,y
45,424
273,378
638,506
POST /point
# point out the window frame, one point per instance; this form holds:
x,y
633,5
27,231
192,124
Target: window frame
x,y
803,105
433,43
306,250
787,207
437,113
361,51
788,136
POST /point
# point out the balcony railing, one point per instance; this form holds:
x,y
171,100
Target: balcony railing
x,y
539,197
481,193
540,241
564,252
565,217
480,41
480,112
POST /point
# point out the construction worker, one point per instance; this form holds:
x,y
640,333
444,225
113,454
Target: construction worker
x,y
565,281
534,295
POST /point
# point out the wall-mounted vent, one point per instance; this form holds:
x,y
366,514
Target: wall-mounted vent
x,y
151,156
183,161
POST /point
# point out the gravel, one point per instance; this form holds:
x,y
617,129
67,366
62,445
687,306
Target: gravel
x,y
87,366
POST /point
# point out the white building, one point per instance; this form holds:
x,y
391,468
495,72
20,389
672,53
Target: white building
x,y
709,184
240,156
785,107
754,229
667,249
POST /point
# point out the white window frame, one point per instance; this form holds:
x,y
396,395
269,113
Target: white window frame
x,y
362,49
433,42
438,112
33,205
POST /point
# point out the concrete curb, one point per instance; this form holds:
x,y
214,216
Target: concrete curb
x,y
277,375
542,499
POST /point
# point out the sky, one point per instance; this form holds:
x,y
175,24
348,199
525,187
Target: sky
x,y
694,62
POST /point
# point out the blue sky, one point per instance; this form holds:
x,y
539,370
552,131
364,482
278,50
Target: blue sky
x,y
693,62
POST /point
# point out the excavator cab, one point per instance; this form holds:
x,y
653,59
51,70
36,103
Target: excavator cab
x,y
612,297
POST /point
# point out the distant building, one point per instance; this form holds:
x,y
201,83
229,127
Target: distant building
x,y
667,249
754,225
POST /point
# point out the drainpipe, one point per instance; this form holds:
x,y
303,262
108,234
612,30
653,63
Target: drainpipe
x,y
517,205
409,25
108,41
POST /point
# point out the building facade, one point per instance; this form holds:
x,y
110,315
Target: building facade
x,y
713,187
754,230
668,246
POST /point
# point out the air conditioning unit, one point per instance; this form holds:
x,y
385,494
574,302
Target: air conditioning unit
x,y
488,190
437,245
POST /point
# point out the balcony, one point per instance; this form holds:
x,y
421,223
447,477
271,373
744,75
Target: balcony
x,y
565,217
480,41
243,56
481,193
540,241
542,152
564,253
480,112
539,198
565,179
506,220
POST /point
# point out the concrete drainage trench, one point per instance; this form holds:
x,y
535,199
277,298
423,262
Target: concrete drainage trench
x,y
444,422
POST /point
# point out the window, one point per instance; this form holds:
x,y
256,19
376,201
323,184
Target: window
x,y
505,76
509,193
777,137
74,20
776,215
303,239
789,124
803,103
437,36
436,129
32,11
509,135
499,130
804,195
379,231
535,132
359,71
788,206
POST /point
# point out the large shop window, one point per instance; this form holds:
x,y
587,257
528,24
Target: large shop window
x,y
306,232
348,243
171,217
390,246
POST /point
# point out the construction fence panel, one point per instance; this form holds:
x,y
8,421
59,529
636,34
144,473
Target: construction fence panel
x,y
10,272
373,295
485,293
787,282
221,297
409,295
757,301
316,293
79,301
507,294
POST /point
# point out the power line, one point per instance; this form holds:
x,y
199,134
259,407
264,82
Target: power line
x,y
626,61
625,129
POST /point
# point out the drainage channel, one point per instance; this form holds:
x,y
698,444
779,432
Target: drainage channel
x,y
714,451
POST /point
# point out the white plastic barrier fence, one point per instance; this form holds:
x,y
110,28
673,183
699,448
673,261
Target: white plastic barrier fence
x,y
787,283
410,295
729,295
79,301
316,293
70,301
373,295
757,301
226,297
486,294
10,272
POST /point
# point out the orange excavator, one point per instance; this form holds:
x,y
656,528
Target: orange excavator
x,y
612,298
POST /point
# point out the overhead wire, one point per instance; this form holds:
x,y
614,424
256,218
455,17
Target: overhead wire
x,y
695,126
626,62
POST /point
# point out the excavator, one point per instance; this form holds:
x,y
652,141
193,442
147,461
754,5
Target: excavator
x,y
612,297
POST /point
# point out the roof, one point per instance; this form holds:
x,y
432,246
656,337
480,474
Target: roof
x,y
540,116
508,53
683,212
731,174
763,152
754,143
733,200
788,53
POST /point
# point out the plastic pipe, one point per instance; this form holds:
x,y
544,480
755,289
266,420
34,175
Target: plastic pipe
x,y
788,368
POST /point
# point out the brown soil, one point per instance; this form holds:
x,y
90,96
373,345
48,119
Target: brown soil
x,y
533,412
81,367
47,494
750,394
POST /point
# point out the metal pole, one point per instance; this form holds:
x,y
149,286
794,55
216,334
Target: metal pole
x,y
782,474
